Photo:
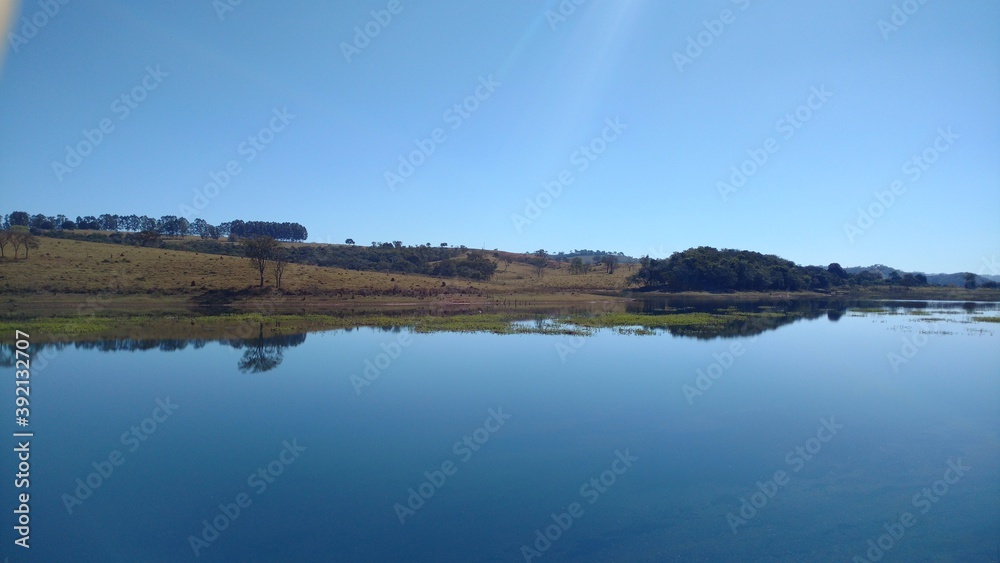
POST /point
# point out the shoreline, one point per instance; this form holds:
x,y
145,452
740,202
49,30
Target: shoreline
x,y
81,317
40,305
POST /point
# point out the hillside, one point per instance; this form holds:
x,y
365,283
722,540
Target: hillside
x,y
956,279
62,272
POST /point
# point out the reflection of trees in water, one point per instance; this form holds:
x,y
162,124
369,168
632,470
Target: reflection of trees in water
x,y
261,353
786,311
738,327
741,318
264,353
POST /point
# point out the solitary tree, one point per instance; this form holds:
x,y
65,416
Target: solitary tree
x,y
970,280
259,250
349,241
280,261
539,260
576,266
610,260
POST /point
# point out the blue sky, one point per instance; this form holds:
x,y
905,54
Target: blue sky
x,y
693,89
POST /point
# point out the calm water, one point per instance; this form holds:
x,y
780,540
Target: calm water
x,y
802,442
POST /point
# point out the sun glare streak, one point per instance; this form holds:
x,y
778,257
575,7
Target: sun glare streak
x,y
598,34
7,10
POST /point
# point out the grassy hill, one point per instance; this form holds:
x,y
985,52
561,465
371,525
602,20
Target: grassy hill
x,y
62,273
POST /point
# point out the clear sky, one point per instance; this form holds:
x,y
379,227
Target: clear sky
x,y
665,98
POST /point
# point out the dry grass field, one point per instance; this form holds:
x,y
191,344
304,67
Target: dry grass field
x,y
56,277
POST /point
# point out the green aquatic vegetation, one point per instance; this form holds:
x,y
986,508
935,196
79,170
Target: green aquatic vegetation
x,y
244,325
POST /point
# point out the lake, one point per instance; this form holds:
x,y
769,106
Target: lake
x,y
857,433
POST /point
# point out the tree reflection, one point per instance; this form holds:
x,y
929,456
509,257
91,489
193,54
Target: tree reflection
x,y
260,354
264,353
260,358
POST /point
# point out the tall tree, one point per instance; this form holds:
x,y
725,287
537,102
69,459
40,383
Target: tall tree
x,y
200,227
259,250
610,260
40,221
108,222
280,259
19,235
19,218
29,241
540,259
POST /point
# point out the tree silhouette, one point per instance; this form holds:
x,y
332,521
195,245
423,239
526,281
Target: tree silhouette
x,y
259,250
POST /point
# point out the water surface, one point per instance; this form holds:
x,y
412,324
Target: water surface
x,y
860,409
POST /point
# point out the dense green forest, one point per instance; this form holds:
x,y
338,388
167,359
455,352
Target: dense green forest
x,y
167,225
709,269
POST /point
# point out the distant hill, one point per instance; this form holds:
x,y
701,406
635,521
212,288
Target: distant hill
x,y
956,279
593,256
